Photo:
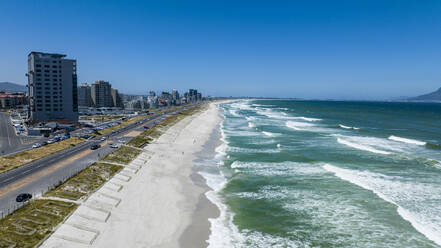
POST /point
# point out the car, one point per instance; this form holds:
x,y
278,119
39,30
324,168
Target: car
x,y
50,141
146,127
36,145
23,197
94,147
114,146
121,141
103,138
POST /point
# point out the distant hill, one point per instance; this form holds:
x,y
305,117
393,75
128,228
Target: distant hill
x,y
11,87
431,97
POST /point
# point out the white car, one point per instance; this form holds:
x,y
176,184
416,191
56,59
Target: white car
x,y
114,146
103,138
36,145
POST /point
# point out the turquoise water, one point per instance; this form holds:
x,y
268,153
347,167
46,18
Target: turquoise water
x,y
328,174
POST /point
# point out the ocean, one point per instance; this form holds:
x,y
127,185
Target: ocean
x,y
326,174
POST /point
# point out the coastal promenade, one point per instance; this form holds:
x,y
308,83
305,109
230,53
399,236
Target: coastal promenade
x,y
157,199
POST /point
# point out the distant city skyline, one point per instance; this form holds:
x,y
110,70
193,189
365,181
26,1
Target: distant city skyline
x,y
365,50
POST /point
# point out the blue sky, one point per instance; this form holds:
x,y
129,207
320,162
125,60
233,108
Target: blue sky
x,y
311,49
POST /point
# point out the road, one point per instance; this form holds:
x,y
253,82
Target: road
x,y
9,141
38,176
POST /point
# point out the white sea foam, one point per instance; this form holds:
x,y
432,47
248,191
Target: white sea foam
x,y
409,141
299,126
234,112
346,127
251,125
223,231
425,216
272,114
250,118
242,105
250,150
281,168
306,118
270,134
361,147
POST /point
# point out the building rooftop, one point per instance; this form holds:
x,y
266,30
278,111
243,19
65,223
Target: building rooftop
x,y
52,55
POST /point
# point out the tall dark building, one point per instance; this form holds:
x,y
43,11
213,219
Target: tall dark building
x,y
52,85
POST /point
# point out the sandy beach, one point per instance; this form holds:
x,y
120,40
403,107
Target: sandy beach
x,y
156,201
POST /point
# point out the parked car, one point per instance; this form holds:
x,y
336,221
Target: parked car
x,y
94,147
36,145
103,138
114,146
146,127
50,141
23,197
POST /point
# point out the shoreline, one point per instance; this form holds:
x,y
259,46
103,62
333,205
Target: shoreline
x,y
198,232
163,204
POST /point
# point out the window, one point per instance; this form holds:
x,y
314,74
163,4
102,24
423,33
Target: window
x,y
38,70
46,66
38,88
38,79
38,75
37,65
55,80
38,84
39,109
54,61
46,71
54,66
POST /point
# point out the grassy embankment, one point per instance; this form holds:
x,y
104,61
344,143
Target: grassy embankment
x,y
147,136
22,158
123,124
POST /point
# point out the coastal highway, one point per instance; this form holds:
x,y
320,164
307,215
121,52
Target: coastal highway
x,y
37,176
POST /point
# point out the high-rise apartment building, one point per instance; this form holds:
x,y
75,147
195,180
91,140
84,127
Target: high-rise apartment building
x,y
101,93
116,99
84,95
52,85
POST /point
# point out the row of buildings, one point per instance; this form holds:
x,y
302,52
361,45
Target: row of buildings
x,y
99,94
54,94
